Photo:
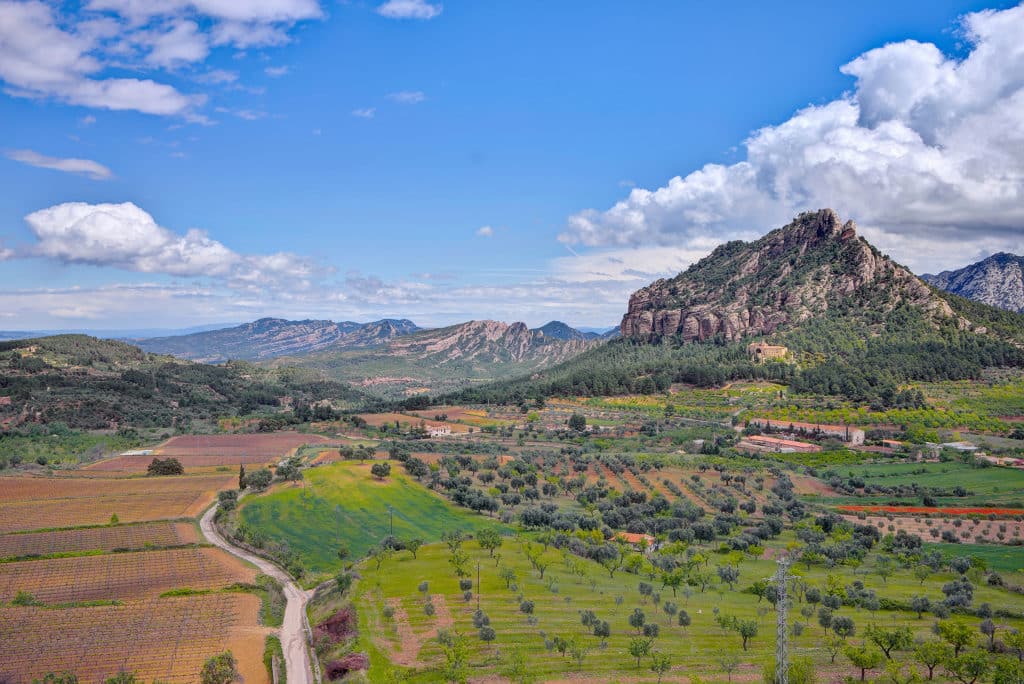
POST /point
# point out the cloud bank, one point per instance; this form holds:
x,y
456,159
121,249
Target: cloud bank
x,y
926,150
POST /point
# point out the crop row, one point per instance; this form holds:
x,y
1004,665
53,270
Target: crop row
x,y
37,515
120,575
154,534
165,639
47,488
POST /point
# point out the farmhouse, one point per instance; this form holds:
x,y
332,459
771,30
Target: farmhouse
x,y
850,435
439,430
782,445
760,351
638,541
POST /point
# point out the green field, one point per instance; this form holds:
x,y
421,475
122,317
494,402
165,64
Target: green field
x,y
342,502
561,596
992,485
1004,559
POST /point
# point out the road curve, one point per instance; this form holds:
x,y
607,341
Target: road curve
x,y
293,636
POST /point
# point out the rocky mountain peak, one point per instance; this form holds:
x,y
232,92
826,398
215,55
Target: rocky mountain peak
x,y
996,281
815,263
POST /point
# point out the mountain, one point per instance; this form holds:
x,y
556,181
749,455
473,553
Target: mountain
x,y
997,281
557,330
272,337
855,323
110,334
448,358
791,275
88,383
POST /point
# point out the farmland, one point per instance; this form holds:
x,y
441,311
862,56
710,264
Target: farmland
x,y
111,556
343,503
159,534
169,638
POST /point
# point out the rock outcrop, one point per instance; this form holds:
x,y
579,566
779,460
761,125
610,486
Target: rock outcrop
x,y
997,281
790,275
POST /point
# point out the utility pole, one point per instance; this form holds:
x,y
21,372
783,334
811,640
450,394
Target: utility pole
x,y
391,513
478,585
781,580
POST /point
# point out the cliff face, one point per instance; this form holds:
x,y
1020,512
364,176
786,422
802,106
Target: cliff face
x,y
788,276
272,337
997,281
488,342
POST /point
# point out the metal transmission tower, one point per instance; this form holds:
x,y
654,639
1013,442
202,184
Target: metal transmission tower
x,y
781,580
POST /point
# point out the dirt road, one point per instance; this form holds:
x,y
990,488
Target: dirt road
x,y
293,636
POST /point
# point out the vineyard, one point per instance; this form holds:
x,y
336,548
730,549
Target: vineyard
x,y
42,488
138,464
165,639
146,535
41,515
264,445
121,576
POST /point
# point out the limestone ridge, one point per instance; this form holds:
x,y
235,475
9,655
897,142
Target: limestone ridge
x,y
792,274
272,337
997,281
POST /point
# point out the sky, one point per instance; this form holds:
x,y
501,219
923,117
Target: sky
x,y
176,163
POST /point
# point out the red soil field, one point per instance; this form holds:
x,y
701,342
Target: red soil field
x,y
46,488
122,575
139,464
155,534
166,639
269,445
945,511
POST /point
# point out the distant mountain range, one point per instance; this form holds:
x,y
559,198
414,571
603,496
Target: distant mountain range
x,y
996,281
448,358
272,337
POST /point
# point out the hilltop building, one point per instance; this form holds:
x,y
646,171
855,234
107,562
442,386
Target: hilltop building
x,y
761,351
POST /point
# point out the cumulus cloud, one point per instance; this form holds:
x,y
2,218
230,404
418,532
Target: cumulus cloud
x,y
485,231
127,237
83,167
409,9
408,97
46,52
926,150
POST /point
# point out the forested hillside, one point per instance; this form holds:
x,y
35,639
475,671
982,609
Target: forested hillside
x,y
87,383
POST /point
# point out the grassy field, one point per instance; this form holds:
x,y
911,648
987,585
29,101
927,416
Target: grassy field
x,y
342,502
406,637
985,485
1004,559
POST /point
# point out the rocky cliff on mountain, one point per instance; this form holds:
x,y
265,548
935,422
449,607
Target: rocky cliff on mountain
x,y
490,342
815,264
272,337
997,281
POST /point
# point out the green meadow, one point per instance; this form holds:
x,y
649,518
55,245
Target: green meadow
x,y
344,503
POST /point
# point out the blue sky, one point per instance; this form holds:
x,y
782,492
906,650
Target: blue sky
x,y
510,160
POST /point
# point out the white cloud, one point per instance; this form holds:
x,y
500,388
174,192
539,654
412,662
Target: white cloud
x,y
485,231
87,120
52,50
365,113
181,44
409,9
408,97
276,72
127,237
83,167
926,153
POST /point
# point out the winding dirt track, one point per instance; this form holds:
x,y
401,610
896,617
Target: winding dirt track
x,y
293,637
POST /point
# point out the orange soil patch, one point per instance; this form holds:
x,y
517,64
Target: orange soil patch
x,y
122,575
139,464
633,482
166,639
155,534
378,419
410,642
269,445
44,488
55,513
945,511
805,484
